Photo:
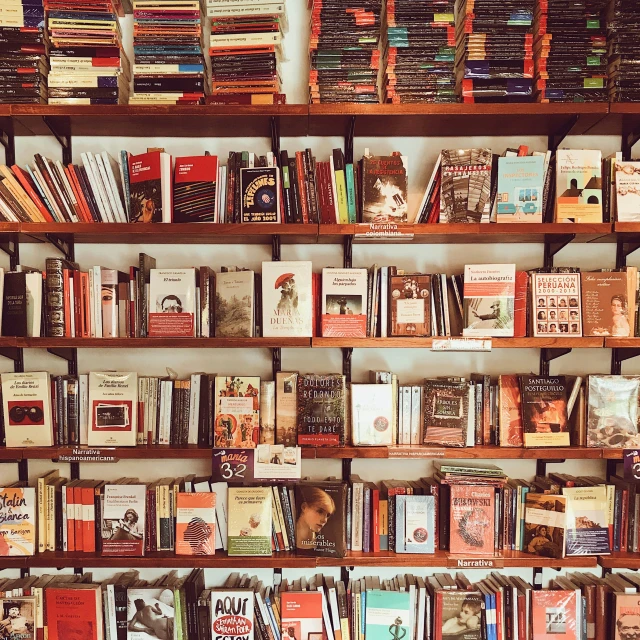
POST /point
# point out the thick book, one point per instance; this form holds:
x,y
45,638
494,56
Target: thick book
x,y
195,524
578,185
388,613
556,614
150,187
123,520
410,305
472,516
489,300
151,609
260,194
322,410
250,521
384,189
301,615
75,612
195,188
237,411
587,521
544,525
344,303
232,614
17,521
172,303
556,305
544,411
372,414
605,304
234,306
446,413
627,184
14,315
520,188
415,524
321,517
286,408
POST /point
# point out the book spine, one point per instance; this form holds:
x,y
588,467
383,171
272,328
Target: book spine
x,y
302,186
55,321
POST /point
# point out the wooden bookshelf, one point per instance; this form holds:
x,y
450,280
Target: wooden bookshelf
x,y
622,343
161,343
426,343
620,561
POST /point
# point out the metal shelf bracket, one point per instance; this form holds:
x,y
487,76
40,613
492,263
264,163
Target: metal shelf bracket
x,y
64,140
553,245
8,141
348,251
549,354
557,138
618,356
276,361
347,354
275,136
624,248
276,247
10,244
64,244
348,140
70,354
629,139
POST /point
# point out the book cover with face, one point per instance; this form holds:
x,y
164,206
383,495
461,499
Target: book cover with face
x,y
237,407
123,520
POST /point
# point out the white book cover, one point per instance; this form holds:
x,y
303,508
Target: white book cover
x,y
628,191
33,283
556,305
287,304
416,524
489,298
344,303
232,614
172,303
372,414
123,520
26,402
154,605
113,409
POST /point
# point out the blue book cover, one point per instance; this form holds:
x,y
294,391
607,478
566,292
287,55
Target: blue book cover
x,y
387,615
520,188
415,524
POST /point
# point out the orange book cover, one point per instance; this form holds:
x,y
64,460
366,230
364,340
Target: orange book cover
x,y
553,615
510,411
472,520
24,180
75,187
88,519
195,524
86,302
301,614
74,613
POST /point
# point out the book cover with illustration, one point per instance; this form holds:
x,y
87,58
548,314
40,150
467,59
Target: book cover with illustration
x,y
384,189
287,408
605,303
196,524
626,616
76,612
237,411
249,524
627,176
544,525
151,613
17,521
410,302
172,303
556,305
150,187
194,189
301,615
554,614
388,615
232,614
415,524
18,618
260,194
544,411
458,614
472,515
446,413
489,300
520,189
587,521
578,185
322,410
344,303
123,520
234,304
510,411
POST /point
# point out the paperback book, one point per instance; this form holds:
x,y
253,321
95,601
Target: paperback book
x,y
544,525
237,411
322,410
384,189
344,302
520,189
249,524
123,520
234,310
17,521
372,414
587,523
172,303
410,302
194,189
150,604
196,524
544,411
77,611
605,303
301,615
260,193
387,612
555,614
150,187
287,408
415,524
556,305
232,614
578,185
627,177
446,413
472,515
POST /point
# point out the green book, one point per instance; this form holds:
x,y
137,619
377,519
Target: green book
x,y
337,165
387,615
351,193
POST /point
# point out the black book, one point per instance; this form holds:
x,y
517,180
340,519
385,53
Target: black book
x,y
14,305
259,190
287,195
144,278
295,191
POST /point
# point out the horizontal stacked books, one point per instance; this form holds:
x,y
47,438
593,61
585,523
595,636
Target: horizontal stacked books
x,y
246,49
421,49
88,64
168,60
623,23
23,52
494,57
344,52
571,51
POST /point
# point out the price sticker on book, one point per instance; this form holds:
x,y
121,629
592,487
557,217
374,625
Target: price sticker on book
x,y
234,466
461,344
631,458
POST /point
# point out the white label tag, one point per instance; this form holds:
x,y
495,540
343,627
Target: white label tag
x,y
461,344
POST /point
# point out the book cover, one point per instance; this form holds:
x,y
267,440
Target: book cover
x,y
18,618
626,616
520,188
123,520
510,411
415,524
14,303
446,413
172,303
260,193
489,300
26,404
322,410
237,411
150,187
587,521
301,615
17,521
344,303
627,176
249,525
234,309
113,398
605,304
612,411
195,524
459,614
578,185
521,305
544,411
287,302
544,525
151,613
75,613
554,615
194,189
321,518
410,302
472,514
556,305
267,412
232,614
388,615
372,413
384,189
287,408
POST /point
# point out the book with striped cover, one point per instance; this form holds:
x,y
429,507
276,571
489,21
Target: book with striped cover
x,y
194,189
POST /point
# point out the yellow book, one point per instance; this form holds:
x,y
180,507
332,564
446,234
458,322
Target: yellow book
x,y
42,507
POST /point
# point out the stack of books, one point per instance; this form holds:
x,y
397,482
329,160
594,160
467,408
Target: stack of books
x,y
23,52
88,65
168,61
624,50
344,52
245,47
494,55
571,51
421,49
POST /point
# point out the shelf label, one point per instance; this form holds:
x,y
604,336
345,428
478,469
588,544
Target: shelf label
x,y
89,455
461,344
234,466
631,458
388,230
460,562
422,452
277,462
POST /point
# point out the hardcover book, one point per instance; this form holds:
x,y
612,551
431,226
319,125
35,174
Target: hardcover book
x,y
237,411
544,525
172,303
150,187
372,413
627,177
321,518
287,302
17,521
123,520
249,525
194,189
301,615
489,300
287,408
388,613
587,522
555,614
446,413
384,189
544,411
410,301
510,411
153,605
196,524
26,403
344,303
113,409
260,193
605,304
458,614
578,185
472,514
19,617
520,188
234,304
322,411
75,612
415,524
232,614
556,305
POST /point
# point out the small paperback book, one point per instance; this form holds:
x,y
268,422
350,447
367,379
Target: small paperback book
x,y
123,520
384,189
150,606
322,410
17,521
415,524
544,525
26,403
544,411
556,305
459,614
556,614
578,185
605,304
196,524
249,525
628,191
321,518
489,300
388,614
344,303
587,521
446,413
232,614
372,408
150,187
113,407
194,189
520,188
172,303
260,193
301,615
234,304
410,301
237,417
19,618
472,515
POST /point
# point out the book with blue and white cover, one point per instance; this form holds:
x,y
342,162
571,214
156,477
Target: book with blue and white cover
x,y
520,188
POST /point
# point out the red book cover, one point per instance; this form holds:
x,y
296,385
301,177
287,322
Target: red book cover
x,y
302,186
301,614
145,177
27,185
194,189
86,304
74,189
66,298
82,201
88,519
74,613
510,411
554,615
520,305
71,523
472,520
77,502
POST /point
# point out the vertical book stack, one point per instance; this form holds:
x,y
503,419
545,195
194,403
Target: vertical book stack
x,y
623,23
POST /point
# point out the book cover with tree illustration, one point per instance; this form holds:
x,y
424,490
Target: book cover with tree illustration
x,y
234,304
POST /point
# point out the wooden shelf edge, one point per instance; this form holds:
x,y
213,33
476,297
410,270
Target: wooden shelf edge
x,y
162,343
620,561
426,343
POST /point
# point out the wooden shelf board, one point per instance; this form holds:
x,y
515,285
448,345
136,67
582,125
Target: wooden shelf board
x,y
620,561
162,343
627,228
622,343
497,343
612,454
160,452
486,452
